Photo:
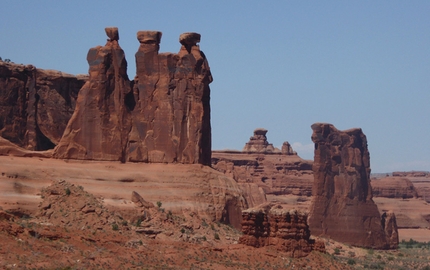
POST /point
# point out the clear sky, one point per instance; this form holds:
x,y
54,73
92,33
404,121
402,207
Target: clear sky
x,y
279,65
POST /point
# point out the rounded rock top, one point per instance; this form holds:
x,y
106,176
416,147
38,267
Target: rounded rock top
x,y
149,37
112,33
189,38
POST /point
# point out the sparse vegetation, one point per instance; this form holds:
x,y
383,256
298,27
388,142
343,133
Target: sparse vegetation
x,y
159,204
115,227
68,192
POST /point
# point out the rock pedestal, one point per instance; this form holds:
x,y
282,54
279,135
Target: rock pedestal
x,y
171,120
163,116
99,127
342,206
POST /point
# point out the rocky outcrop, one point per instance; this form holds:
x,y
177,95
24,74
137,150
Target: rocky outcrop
x,y
171,118
393,187
287,230
35,104
342,207
258,144
264,167
412,174
163,116
99,127
390,227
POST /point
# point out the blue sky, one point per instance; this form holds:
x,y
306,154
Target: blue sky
x,y
279,65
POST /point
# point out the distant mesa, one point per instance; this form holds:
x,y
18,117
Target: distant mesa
x,y
342,207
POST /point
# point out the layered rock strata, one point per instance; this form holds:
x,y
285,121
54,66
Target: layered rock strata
x,y
287,230
163,116
263,169
35,104
394,187
342,207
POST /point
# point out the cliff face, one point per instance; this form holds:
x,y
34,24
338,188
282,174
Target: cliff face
x,y
342,206
263,169
287,230
163,116
99,127
394,187
35,104
171,119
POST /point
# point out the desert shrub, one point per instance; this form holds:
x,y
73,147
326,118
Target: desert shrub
x,y
216,236
138,222
169,215
115,227
336,251
182,230
159,204
351,261
67,191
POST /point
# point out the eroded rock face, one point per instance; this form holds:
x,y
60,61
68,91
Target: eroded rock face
x,y
342,206
263,169
163,116
35,104
390,227
171,119
394,187
287,230
99,127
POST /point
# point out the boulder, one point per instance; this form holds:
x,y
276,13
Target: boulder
x,y
342,207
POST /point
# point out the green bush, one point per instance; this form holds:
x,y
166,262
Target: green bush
x,y
115,227
216,236
67,191
159,204
351,261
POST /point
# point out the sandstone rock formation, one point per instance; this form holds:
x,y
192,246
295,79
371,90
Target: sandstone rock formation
x,y
394,187
171,118
342,206
98,129
287,230
390,227
163,116
263,169
35,104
